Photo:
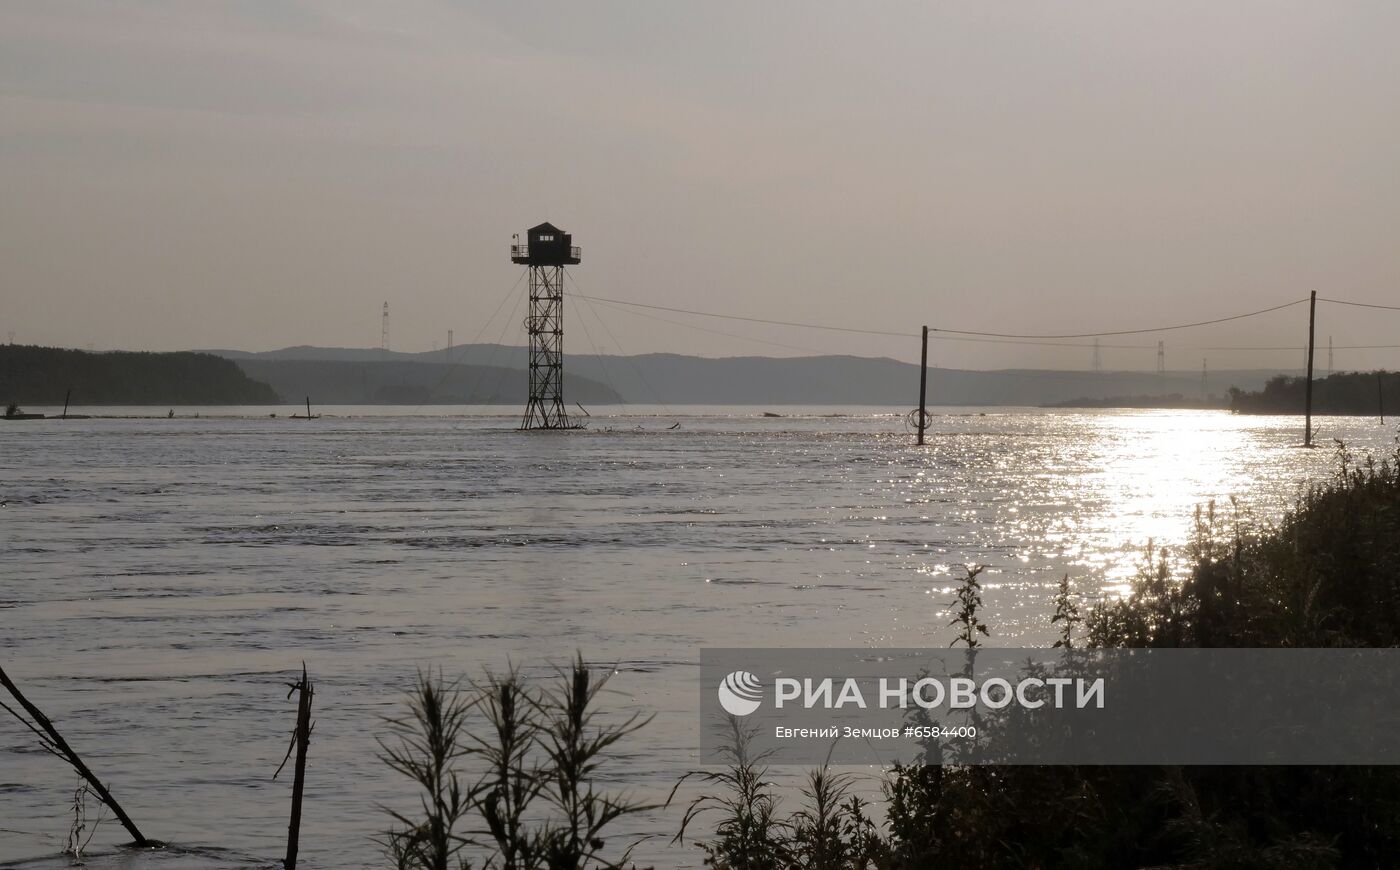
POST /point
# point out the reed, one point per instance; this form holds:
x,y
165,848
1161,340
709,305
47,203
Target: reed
x,y
530,798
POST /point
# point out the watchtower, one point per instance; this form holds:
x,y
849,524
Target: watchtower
x,y
546,252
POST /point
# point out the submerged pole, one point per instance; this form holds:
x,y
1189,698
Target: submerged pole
x,y
301,739
52,742
923,386
1307,401
66,396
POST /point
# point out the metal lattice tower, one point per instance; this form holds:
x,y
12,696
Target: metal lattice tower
x,y
1098,359
384,331
546,252
1161,357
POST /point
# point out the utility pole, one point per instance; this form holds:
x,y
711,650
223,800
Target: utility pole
x,y
1307,401
923,387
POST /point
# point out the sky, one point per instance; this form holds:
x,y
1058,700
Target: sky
x,y
254,175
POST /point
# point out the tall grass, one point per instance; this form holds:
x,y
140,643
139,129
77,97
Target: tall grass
x,y
532,754
424,746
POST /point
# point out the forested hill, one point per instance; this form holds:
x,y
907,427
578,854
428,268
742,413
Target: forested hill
x,y
31,375
398,382
1361,393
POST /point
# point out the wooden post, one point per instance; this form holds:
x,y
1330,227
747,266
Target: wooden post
x,y
1307,409
54,743
301,740
923,387
66,396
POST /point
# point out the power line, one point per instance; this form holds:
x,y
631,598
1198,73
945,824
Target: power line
x,y
748,319
685,325
643,378
1358,304
1060,344
614,304
1288,347
1124,331
968,332
451,364
597,354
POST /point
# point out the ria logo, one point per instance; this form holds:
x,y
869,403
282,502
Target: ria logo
x,y
740,693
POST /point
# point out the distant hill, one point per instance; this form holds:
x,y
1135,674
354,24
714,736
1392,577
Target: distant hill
x,y
42,375
815,380
399,382
1357,393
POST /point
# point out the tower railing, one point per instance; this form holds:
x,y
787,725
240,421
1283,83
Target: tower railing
x,y
523,252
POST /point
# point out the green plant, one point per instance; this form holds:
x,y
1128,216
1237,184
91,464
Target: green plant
x,y
1066,613
967,602
513,779
424,747
748,834
533,803
574,746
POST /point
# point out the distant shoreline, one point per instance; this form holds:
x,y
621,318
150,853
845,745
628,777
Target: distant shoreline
x,y
1172,402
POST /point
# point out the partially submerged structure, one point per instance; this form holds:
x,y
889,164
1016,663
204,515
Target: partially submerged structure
x,y
547,250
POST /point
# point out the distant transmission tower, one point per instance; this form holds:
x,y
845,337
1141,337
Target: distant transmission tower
x,y
547,251
1204,395
447,352
1098,360
1329,356
1161,357
384,331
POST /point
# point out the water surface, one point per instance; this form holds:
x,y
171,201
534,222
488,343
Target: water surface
x,y
162,579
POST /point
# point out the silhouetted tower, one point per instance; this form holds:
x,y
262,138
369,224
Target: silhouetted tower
x,y
1098,360
1161,357
546,252
1204,395
384,331
1329,356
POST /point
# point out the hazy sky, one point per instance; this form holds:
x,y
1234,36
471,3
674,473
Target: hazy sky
x,y
258,174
